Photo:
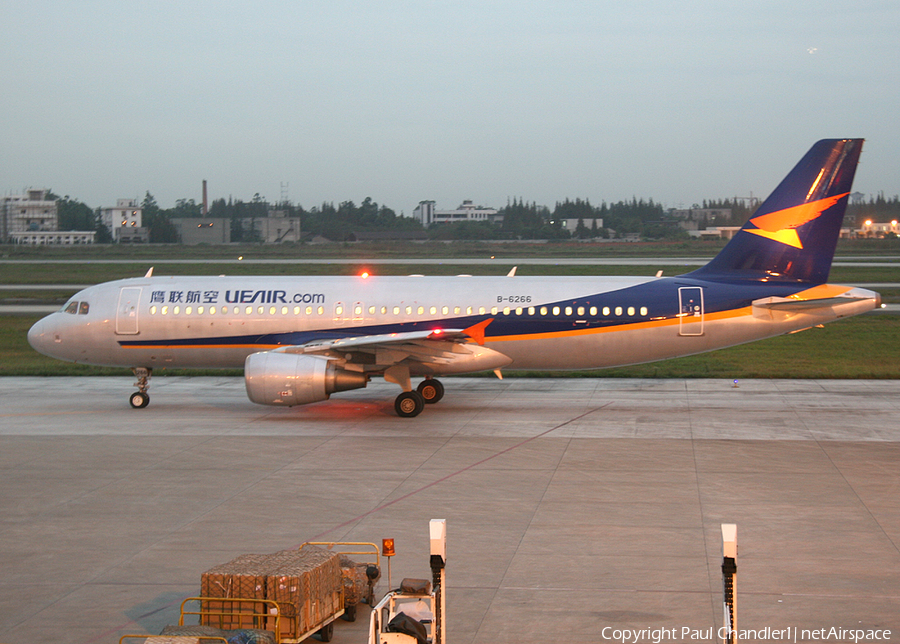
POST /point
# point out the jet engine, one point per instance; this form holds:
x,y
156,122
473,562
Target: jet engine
x,y
274,378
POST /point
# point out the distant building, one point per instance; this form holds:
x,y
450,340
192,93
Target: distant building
x,y
54,238
572,224
877,230
277,228
32,212
125,222
427,214
203,230
715,232
691,219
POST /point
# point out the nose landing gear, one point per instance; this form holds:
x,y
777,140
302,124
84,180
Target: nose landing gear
x,y
141,398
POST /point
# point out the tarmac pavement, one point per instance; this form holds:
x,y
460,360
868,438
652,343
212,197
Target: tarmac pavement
x,y
577,509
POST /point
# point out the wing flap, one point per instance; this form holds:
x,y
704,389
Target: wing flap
x,y
439,350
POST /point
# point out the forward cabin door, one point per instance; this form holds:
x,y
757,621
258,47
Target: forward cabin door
x,y
690,306
127,310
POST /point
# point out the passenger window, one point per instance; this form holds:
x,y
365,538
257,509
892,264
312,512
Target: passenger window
x,y
593,311
396,310
555,310
543,310
84,308
176,310
644,311
530,310
605,310
568,310
618,310
580,310
630,310
72,308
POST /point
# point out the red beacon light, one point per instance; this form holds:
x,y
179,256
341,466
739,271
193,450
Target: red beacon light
x,y
364,274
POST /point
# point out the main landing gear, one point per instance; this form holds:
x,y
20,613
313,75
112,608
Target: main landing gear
x,y
411,403
141,398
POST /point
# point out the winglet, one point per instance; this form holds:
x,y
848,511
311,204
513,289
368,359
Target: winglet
x,y
476,331
149,272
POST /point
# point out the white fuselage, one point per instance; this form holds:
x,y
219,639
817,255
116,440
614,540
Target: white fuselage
x,y
537,322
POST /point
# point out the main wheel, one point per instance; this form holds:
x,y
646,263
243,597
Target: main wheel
x,y
326,632
432,390
139,399
409,404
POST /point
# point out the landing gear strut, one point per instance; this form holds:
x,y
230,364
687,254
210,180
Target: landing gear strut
x,y
141,398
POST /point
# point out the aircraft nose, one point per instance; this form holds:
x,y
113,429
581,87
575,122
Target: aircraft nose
x,y
36,337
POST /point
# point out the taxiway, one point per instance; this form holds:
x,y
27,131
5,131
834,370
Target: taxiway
x,y
572,505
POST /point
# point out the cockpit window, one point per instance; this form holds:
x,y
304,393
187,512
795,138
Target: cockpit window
x,y
72,308
84,308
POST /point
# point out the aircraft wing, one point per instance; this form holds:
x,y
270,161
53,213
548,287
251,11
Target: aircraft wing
x,y
452,348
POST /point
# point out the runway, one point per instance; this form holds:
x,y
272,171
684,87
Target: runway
x,y
576,508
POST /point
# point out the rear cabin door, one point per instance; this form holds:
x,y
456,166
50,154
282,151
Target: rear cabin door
x,y
127,310
690,306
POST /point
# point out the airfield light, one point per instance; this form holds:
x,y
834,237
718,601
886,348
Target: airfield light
x,y
868,222
240,257
894,222
364,274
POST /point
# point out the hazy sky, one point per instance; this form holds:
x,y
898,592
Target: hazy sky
x,y
404,100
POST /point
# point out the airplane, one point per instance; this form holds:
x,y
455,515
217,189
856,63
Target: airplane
x,y
301,339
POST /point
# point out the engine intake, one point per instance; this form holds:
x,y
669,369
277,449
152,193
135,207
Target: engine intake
x,y
288,379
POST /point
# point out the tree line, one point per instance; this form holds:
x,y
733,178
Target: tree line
x,y
520,219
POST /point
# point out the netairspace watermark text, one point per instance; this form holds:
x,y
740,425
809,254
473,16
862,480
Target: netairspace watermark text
x,y
767,634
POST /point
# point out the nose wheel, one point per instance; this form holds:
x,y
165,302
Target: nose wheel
x,y
141,398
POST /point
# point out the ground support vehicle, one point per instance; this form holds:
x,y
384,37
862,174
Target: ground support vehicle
x,y
414,613
405,615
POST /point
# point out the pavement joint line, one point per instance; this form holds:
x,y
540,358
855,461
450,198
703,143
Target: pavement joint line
x,y
453,474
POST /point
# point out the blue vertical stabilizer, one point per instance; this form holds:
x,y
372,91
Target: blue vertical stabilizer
x,y
793,234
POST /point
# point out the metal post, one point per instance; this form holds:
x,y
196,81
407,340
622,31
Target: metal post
x,y
438,532
729,582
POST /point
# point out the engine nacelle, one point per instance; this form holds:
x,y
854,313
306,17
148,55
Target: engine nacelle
x,y
288,379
